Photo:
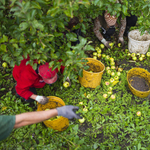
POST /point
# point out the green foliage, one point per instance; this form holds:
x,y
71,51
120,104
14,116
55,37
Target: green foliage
x,y
36,28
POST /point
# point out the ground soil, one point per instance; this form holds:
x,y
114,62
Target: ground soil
x,y
139,83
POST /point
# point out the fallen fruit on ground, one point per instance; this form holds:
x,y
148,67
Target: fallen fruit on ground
x,y
120,69
81,103
148,54
85,109
138,113
82,120
116,78
141,58
102,45
112,96
66,84
105,95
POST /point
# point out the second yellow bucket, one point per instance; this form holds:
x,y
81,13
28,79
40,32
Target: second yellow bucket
x,y
142,73
92,79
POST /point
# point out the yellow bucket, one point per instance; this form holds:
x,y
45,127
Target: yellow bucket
x,y
92,79
59,124
142,73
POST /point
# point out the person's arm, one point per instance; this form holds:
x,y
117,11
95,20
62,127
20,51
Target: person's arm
x,y
39,116
34,117
122,30
97,26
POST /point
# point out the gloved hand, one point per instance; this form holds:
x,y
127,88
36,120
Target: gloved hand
x,y
121,40
106,43
68,112
42,99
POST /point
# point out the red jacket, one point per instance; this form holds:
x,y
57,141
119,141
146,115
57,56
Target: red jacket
x,y
26,77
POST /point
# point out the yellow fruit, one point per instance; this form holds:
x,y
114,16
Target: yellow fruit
x,y
133,55
4,64
120,69
99,51
82,120
85,109
95,54
112,80
112,63
116,78
112,73
134,58
148,54
143,55
98,55
112,96
102,45
105,95
66,84
88,96
103,55
113,67
138,113
141,58
119,44
111,59
95,57
109,92
81,103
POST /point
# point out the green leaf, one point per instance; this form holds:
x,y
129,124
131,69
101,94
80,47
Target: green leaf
x,y
3,47
82,40
89,47
139,146
60,25
33,13
34,66
57,34
69,12
13,41
37,25
68,62
71,37
124,10
35,5
53,11
51,64
2,89
12,63
23,26
70,53
5,38
81,72
15,45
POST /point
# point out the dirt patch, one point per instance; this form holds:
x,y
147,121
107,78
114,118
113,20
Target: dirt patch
x,y
139,83
94,68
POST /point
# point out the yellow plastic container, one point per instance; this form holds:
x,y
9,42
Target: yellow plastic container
x,y
92,79
142,73
59,124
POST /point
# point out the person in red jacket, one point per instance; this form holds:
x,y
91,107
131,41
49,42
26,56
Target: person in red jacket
x,y
29,79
